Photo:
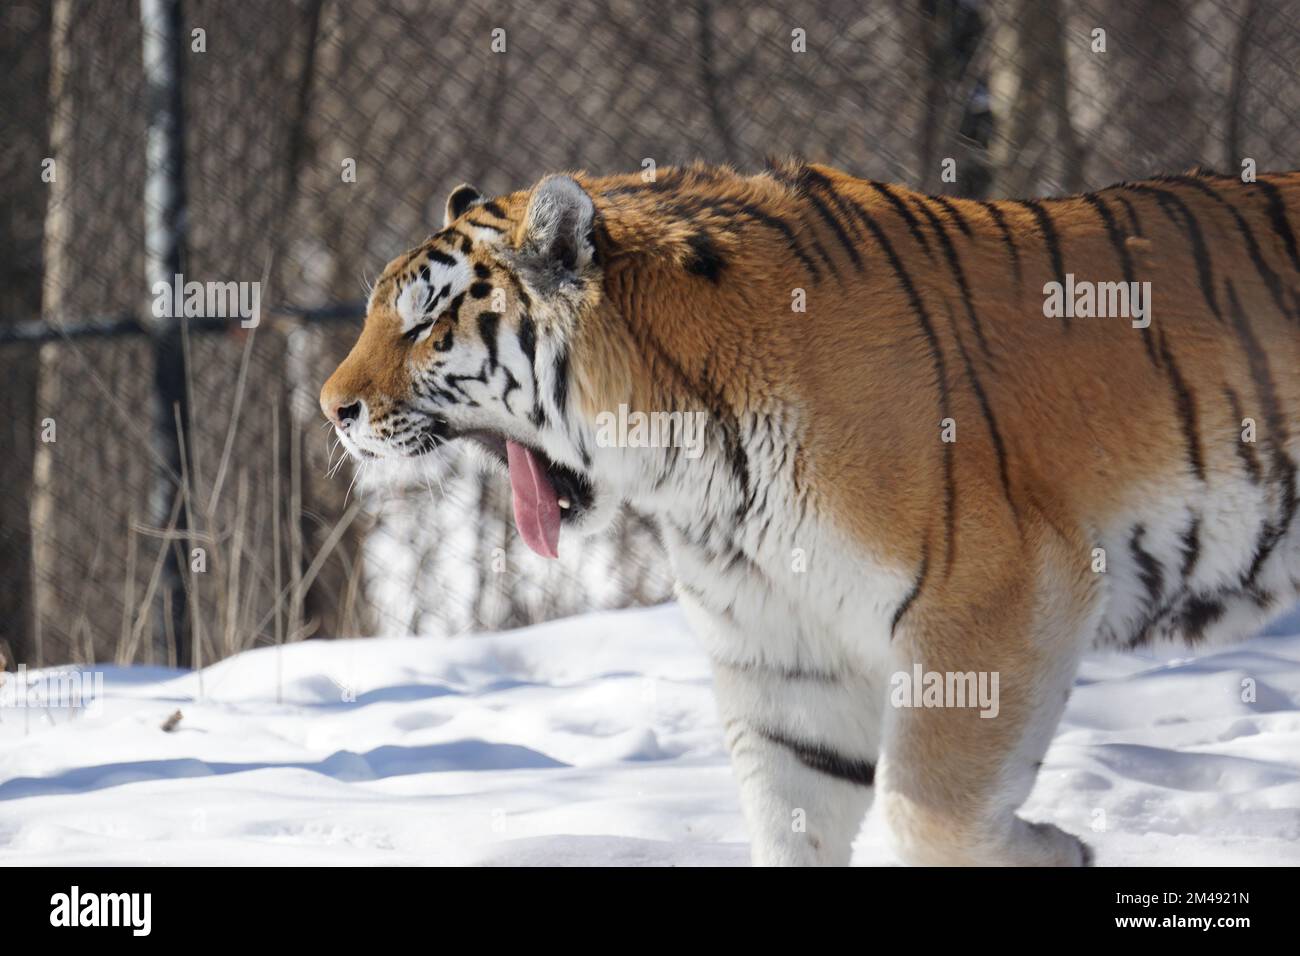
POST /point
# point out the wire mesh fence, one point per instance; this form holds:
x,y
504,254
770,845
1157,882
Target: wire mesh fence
x,y
317,139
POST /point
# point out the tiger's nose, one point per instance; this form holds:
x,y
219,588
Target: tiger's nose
x,y
341,412
347,414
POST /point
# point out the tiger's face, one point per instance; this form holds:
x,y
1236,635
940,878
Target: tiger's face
x,y
467,336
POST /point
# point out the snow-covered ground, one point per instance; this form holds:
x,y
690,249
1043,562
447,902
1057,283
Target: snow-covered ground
x,y
589,740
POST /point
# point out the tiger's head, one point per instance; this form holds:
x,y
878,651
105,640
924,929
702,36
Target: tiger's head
x,y
468,336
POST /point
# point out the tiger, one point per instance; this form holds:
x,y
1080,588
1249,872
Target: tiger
x,y
911,462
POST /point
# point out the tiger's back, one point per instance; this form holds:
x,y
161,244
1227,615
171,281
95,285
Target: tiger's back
x,y
1163,447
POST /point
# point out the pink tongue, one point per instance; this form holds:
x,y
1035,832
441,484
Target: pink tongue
x,y
537,508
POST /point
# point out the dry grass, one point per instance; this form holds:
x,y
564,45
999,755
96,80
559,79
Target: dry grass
x,y
240,594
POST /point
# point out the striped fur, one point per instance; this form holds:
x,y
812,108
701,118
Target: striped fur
x,y
828,538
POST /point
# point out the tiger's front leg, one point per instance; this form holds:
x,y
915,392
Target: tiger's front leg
x,y
803,747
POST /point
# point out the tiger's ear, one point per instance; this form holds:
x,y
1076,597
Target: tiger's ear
x,y
556,242
461,198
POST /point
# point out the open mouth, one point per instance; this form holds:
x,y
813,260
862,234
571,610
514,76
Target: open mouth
x,y
545,493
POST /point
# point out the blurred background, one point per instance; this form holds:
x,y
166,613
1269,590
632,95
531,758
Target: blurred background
x,y
165,486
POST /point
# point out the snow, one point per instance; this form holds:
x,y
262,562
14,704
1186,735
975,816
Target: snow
x,y
590,740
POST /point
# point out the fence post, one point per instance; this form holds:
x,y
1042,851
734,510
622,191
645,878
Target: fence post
x,y
165,225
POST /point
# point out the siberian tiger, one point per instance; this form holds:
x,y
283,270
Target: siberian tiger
x,y
914,459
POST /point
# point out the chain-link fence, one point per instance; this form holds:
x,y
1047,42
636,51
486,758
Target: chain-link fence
x,y
167,491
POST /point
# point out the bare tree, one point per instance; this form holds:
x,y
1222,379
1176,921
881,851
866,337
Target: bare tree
x,y
1030,98
25,47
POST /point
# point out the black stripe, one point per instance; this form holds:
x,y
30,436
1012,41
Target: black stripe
x,y
957,217
528,341
733,208
436,255
1271,280
512,385
445,343
941,381
915,592
797,186
1277,217
814,178
703,392
1149,570
954,265
487,330
793,673
705,259
1190,541
1173,207
1008,240
779,225
1245,449
1133,219
838,229
913,224
1117,240
453,382
527,336
733,446
561,384
705,601
1198,613
520,291
986,409
1260,371
1048,229
821,758
841,202
427,302
492,207
1270,534
1185,402
1283,469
